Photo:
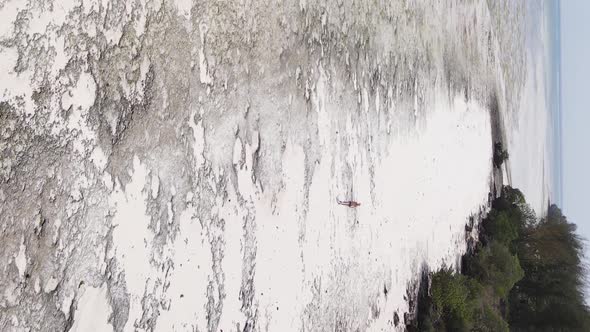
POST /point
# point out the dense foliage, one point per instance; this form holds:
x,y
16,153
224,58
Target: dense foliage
x,y
500,155
525,274
550,296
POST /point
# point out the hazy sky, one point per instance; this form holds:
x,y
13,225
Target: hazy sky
x,y
575,41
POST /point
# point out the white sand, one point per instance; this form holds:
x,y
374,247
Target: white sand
x,y
426,189
93,311
170,216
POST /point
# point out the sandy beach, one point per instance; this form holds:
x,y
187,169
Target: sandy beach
x,y
176,166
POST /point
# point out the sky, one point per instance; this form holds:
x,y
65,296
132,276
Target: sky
x,y
575,110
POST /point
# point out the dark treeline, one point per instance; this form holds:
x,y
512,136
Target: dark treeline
x,y
525,274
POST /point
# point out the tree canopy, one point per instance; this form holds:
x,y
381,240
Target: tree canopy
x,y
525,274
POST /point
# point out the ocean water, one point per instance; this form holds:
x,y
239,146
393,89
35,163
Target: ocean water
x,y
530,115
176,166
554,18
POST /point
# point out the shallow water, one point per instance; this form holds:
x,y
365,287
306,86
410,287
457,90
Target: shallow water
x,y
176,166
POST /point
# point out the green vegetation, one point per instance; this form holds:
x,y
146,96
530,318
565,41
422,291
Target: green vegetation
x,y
500,155
525,274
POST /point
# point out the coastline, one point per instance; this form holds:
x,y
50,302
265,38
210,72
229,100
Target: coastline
x,y
417,291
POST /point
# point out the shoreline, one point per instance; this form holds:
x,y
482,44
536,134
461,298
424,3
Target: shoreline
x,y
417,291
